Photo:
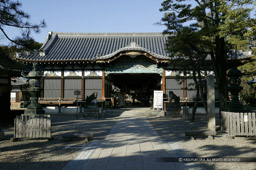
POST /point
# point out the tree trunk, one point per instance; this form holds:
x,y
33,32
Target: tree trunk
x,y
5,91
220,69
195,105
201,88
197,91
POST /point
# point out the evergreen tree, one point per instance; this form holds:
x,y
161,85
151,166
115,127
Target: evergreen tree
x,y
248,94
12,16
209,28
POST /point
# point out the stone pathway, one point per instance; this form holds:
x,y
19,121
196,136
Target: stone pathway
x,y
131,144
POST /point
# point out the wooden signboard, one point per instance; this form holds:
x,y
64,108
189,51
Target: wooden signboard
x,y
158,99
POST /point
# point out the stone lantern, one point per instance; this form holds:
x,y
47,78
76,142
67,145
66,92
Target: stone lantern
x,y
234,87
34,89
33,124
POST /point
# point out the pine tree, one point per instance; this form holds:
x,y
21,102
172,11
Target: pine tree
x,y
12,16
209,28
248,94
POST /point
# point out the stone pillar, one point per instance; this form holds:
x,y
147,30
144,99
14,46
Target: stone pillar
x,y
211,103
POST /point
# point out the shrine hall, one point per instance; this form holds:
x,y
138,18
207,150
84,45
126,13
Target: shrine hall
x,y
126,66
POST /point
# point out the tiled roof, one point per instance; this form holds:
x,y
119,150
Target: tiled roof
x,y
90,47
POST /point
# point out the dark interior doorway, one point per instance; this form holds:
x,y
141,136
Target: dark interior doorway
x,y
135,89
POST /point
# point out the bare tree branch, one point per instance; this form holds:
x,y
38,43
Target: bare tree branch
x,y
5,34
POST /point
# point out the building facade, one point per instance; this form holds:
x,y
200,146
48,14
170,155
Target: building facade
x,y
129,66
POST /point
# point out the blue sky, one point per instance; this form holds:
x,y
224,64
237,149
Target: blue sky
x,y
92,16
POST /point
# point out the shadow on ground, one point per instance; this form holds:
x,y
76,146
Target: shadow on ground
x,y
44,154
173,130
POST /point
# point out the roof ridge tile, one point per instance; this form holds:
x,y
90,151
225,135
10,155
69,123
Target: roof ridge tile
x,y
110,34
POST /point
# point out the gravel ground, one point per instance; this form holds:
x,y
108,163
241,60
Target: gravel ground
x,y
51,155
173,130
44,154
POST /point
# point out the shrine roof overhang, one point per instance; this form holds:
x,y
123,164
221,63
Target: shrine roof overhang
x,y
133,51
97,48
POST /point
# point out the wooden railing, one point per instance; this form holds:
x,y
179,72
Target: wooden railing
x,y
241,124
35,126
59,101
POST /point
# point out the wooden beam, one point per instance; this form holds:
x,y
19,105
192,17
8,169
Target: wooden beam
x,y
103,85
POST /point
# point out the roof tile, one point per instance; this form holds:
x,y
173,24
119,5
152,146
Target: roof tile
x,y
85,46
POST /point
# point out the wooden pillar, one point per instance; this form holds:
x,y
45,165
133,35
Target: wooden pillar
x,y
185,90
163,82
103,85
42,88
62,84
164,87
83,89
19,96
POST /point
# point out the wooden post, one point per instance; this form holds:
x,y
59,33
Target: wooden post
x,y
42,88
83,90
164,88
62,84
103,85
205,74
20,96
185,92
163,82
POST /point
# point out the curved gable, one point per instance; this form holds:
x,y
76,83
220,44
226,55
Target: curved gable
x,y
131,50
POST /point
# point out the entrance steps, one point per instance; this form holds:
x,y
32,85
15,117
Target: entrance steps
x,y
138,111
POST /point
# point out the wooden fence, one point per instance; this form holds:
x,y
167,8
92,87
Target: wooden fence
x,y
241,124
32,126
